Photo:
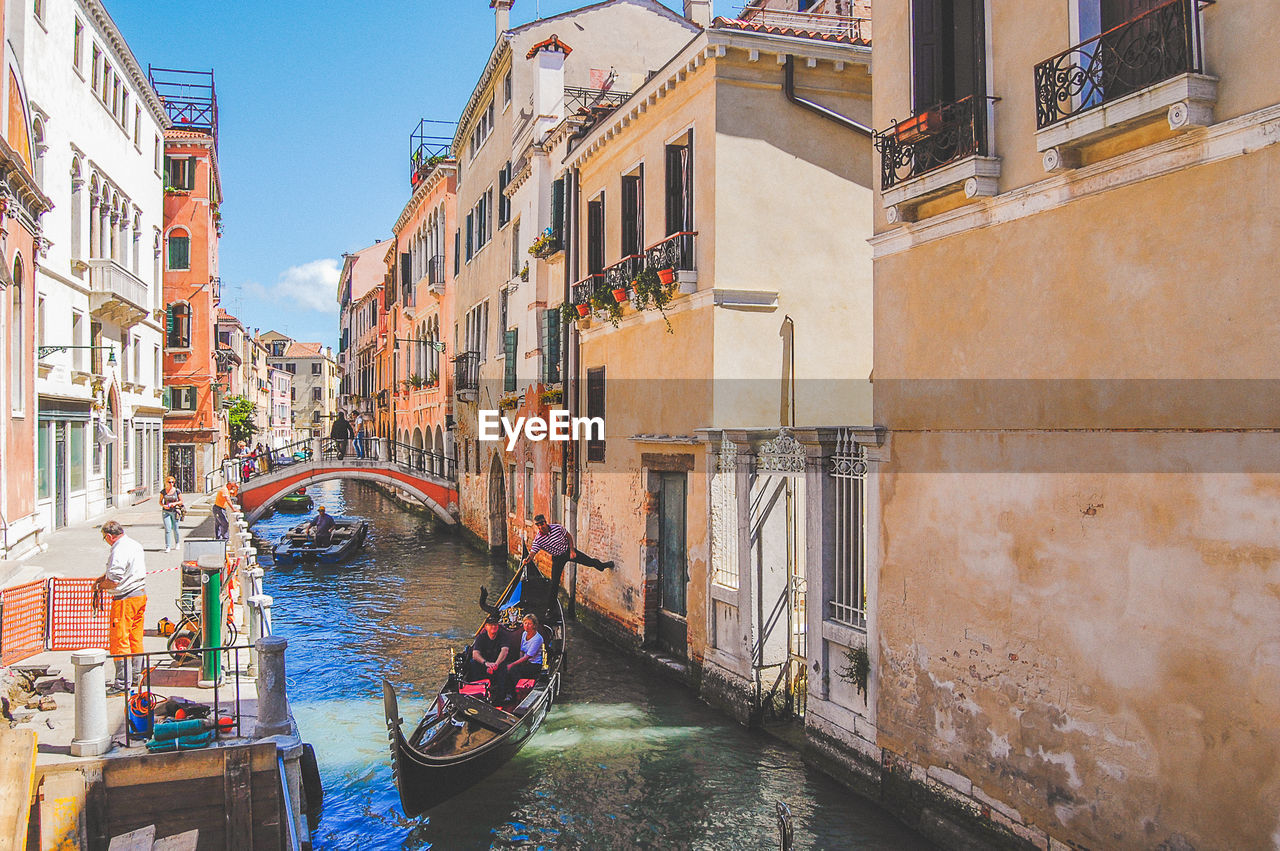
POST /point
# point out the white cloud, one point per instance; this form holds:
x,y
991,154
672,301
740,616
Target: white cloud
x,y
309,286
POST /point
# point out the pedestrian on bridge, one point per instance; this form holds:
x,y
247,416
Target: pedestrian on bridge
x,y
361,425
126,579
340,434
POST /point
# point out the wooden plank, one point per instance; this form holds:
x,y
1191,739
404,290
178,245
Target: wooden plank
x,y
206,820
238,797
180,842
62,823
176,766
157,799
17,780
135,840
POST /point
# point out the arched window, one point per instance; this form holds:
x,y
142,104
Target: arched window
x,y
17,347
178,330
179,250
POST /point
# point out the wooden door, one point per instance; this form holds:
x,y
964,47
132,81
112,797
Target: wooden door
x,y
673,576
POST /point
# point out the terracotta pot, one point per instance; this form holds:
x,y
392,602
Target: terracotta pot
x,y
667,276
583,309
619,294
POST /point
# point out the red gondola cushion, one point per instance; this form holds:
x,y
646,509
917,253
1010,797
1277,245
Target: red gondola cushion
x,y
526,683
479,688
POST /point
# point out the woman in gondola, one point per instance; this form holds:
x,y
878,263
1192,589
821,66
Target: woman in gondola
x,y
529,664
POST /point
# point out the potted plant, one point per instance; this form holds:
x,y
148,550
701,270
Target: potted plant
x,y
405,384
551,397
524,273
603,302
667,276
620,294
417,381
583,310
651,291
569,312
433,379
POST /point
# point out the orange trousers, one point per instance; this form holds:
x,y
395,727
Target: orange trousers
x,y
127,616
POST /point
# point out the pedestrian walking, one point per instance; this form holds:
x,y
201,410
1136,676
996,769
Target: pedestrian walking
x,y
222,503
340,434
126,579
359,428
171,509
554,540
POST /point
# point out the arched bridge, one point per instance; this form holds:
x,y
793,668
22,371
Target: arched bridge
x,y
427,476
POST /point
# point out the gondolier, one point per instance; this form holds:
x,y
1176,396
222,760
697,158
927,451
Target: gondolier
x,y
554,540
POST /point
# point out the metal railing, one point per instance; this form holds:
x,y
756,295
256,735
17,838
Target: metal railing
x,y
932,139
846,26
621,274
1148,49
435,271
466,372
189,98
582,101
364,449
421,460
246,467
145,687
673,252
427,150
581,290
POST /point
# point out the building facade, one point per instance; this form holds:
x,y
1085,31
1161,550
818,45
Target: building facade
x,y
613,47
281,416
195,426
420,311
97,128
362,325
313,385
1076,520
21,309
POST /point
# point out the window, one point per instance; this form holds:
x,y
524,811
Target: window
x,y
97,67
77,339
43,453
518,254
77,46
182,398
159,146
504,203
470,236
180,173
846,598
595,235
633,213
17,341
679,194
509,367
528,492
595,408
179,251
947,51
75,457
315,369
484,127
457,252
137,128
293,394
557,506
551,329
124,111
178,332
511,488
557,210
124,444
317,394
506,89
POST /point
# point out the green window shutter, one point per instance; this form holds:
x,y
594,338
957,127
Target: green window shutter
x,y
168,398
551,345
168,322
509,376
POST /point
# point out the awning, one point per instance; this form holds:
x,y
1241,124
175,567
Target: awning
x,y
63,409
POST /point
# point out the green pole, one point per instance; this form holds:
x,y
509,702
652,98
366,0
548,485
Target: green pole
x,y
211,624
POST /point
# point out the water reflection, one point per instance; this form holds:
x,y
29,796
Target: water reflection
x,y
625,760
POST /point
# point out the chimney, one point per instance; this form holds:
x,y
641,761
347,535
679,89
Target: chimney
x,y
548,83
501,16
698,12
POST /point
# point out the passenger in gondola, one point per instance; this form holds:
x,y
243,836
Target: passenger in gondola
x,y
322,529
488,657
529,664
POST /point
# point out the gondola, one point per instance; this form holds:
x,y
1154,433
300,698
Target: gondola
x,y
298,546
463,738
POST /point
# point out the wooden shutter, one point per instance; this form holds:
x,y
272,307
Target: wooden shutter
x,y
509,367
504,203
457,252
675,183
557,208
551,326
595,408
630,209
470,235
595,236
1117,12
927,40
406,273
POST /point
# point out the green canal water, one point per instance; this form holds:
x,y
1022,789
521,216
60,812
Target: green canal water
x,y
626,759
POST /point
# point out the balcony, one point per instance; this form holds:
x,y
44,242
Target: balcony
x,y
939,151
116,295
435,274
426,151
189,97
1132,75
592,103
466,375
787,21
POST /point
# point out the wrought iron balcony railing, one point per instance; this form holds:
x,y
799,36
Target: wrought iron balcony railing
x,y
435,271
426,151
189,98
466,372
582,101
622,273
582,290
1149,49
932,139
674,252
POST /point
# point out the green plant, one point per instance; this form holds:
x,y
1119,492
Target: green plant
x,y
568,313
602,300
433,378
551,397
649,291
856,669
240,425
545,245
416,380
509,403
524,273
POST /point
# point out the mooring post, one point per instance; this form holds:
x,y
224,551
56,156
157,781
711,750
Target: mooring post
x,y
258,606
273,701
91,738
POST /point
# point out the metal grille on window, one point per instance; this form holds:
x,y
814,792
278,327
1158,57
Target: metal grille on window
x,y
509,367
848,594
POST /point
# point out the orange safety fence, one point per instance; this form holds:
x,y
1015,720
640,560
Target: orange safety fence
x,y
23,615
73,623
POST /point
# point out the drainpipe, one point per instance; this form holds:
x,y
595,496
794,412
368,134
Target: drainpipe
x,y
789,89
570,272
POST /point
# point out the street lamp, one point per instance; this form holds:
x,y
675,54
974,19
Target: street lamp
x,y
45,351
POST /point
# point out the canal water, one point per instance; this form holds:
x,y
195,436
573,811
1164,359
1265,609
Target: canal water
x,y
626,759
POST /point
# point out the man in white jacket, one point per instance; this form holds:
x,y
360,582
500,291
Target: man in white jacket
x,y
126,580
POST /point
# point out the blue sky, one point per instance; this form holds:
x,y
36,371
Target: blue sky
x,y
316,104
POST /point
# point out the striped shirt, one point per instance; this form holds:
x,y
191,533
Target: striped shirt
x,y
554,541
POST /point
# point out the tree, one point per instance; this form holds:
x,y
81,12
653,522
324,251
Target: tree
x,y
240,424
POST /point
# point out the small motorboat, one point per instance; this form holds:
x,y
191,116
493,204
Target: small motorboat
x,y
465,736
295,503
299,545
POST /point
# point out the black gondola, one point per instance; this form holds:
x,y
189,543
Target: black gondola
x,y
464,738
